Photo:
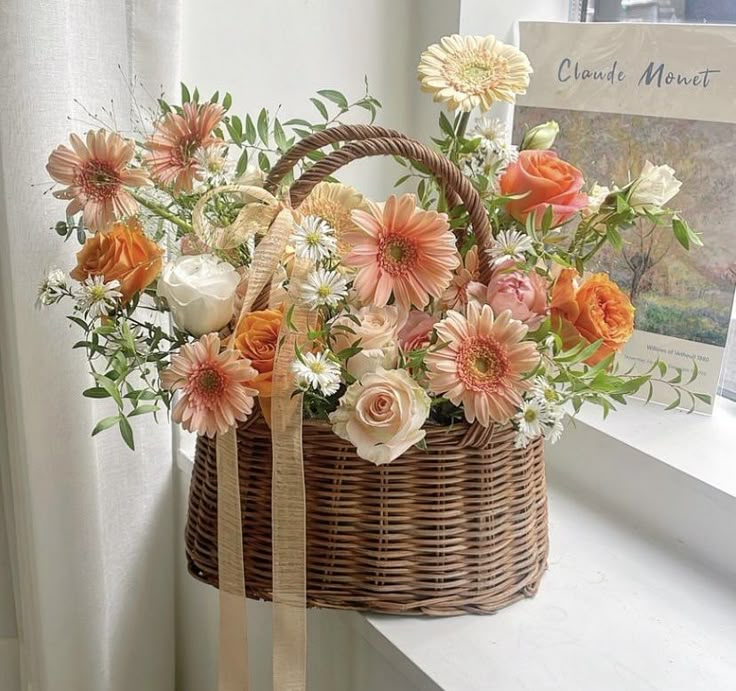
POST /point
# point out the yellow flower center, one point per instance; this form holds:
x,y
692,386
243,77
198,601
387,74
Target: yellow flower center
x,y
324,291
99,180
97,293
396,255
209,382
482,364
475,73
530,415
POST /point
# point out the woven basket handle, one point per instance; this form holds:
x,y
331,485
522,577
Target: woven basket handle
x,y
445,170
333,135
314,142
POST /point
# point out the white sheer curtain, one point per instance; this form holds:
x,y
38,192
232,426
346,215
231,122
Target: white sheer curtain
x,y
90,523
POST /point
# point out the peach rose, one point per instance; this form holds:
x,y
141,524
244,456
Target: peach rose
x,y
416,332
122,254
545,180
524,295
382,415
377,332
256,339
598,309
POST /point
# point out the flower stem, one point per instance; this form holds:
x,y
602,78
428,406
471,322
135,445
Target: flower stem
x,y
161,212
462,125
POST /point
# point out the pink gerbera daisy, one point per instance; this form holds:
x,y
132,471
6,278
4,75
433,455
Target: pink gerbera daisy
x,y
213,387
481,363
173,148
97,173
401,250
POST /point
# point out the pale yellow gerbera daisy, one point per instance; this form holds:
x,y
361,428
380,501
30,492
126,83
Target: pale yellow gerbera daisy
x,y
334,202
473,71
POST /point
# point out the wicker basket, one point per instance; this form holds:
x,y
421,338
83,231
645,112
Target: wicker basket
x,y
458,527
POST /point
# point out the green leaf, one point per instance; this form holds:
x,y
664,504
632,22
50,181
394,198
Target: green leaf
x,y
143,410
96,392
263,163
126,431
263,125
227,101
250,130
680,230
335,96
185,97
320,106
299,122
195,95
109,386
105,423
704,397
675,403
165,107
242,163
78,321
215,97
279,136
446,125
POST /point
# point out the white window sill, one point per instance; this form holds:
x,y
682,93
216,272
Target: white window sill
x,y
701,446
616,610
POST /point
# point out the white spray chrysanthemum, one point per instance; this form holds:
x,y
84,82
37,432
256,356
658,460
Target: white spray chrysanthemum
x,y
323,287
97,298
52,288
510,244
314,239
317,371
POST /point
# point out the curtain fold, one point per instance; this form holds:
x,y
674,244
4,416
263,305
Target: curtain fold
x,y
93,542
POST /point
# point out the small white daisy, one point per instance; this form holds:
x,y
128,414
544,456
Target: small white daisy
x,y
554,428
316,370
52,288
324,287
314,239
530,418
544,392
510,244
213,160
98,298
490,128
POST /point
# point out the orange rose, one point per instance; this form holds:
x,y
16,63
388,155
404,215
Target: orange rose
x,y
123,254
545,181
256,338
597,310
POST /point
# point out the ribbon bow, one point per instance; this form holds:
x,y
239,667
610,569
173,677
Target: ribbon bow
x,y
274,220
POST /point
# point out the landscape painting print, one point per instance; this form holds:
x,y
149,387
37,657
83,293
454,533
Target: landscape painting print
x,y
621,106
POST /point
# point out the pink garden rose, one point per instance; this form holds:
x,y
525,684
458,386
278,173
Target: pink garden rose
x,y
415,333
545,180
525,295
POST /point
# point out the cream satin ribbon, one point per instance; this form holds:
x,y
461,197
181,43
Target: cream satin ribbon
x,y
288,500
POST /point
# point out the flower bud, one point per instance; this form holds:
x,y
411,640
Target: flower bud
x,y
61,228
541,137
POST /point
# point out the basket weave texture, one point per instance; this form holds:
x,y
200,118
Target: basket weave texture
x,y
458,527
444,531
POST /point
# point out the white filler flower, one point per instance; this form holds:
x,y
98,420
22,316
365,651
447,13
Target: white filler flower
x,y
324,287
317,371
510,244
97,298
314,239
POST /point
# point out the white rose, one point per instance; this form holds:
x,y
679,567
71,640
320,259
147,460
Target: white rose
x,y
597,196
382,415
654,187
200,290
377,331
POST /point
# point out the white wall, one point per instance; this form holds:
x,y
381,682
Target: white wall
x,y
279,53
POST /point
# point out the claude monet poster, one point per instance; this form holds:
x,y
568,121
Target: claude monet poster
x,y
627,93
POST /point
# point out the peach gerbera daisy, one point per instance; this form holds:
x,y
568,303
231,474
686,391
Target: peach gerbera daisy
x,y
97,174
174,148
213,387
401,250
467,72
482,363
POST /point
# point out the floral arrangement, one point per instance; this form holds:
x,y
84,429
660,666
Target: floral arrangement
x,y
403,331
